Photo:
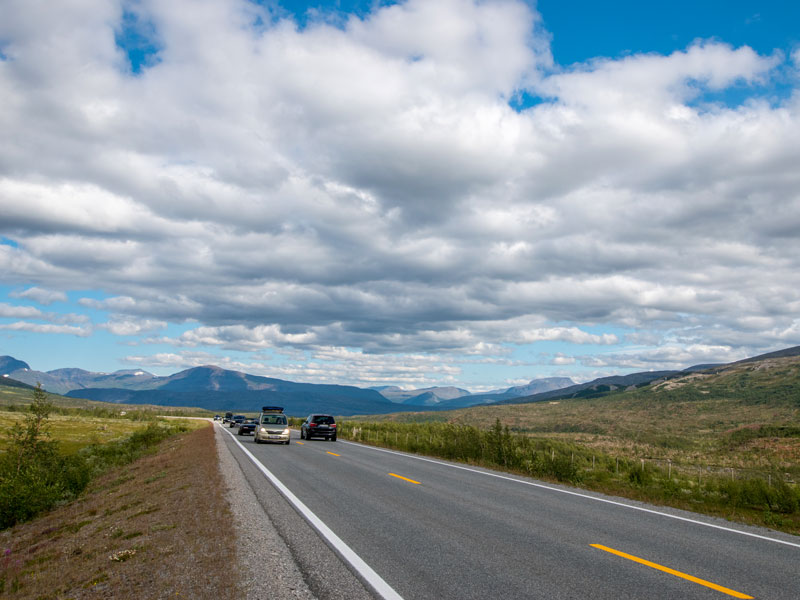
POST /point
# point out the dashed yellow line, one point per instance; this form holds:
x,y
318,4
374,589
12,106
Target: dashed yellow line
x,y
653,565
334,454
301,443
404,478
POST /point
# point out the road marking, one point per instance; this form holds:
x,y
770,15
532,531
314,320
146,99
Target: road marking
x,y
375,581
301,443
333,453
404,478
653,565
579,495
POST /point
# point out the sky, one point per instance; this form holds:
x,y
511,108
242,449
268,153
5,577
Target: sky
x,y
419,193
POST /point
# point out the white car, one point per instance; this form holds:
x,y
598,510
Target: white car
x,y
272,426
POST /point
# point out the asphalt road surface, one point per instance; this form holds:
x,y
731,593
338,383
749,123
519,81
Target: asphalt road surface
x,y
415,528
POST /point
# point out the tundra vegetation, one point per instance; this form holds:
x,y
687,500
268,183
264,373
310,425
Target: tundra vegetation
x,y
724,443
50,455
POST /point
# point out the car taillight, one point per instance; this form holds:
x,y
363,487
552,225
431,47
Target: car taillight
x,y
333,425
312,424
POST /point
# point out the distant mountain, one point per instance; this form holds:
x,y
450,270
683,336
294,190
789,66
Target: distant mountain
x,y
220,389
596,387
9,364
606,385
6,381
61,381
496,396
420,397
537,386
793,351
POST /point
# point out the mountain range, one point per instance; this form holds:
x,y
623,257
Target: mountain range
x,y
220,389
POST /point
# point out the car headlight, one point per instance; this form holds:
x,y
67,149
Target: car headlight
x,y
263,430
286,431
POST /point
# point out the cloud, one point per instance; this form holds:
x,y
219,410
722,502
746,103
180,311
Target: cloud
x,y
47,328
16,312
327,365
40,295
364,184
123,326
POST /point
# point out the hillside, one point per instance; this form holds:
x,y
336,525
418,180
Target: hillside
x,y
744,416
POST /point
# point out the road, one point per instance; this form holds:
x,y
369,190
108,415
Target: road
x,y
432,529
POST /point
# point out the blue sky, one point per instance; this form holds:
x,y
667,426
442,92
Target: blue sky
x,y
415,193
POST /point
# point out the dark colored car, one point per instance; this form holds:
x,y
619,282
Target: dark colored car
x,y
323,426
237,420
247,427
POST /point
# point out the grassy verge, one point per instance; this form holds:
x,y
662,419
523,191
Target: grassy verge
x,y
769,498
157,527
47,461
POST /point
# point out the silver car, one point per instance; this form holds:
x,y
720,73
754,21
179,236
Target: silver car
x,y
272,427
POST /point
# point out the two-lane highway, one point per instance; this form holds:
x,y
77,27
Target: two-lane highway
x,y
433,529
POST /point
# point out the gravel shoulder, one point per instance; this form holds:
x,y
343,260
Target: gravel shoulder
x,y
274,541
267,568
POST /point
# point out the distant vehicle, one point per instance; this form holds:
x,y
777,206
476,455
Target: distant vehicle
x,y
217,417
272,426
227,417
248,427
237,420
318,426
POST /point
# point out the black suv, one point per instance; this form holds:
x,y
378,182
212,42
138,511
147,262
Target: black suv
x,y
318,426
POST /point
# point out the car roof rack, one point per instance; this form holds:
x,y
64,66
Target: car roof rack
x,y
278,409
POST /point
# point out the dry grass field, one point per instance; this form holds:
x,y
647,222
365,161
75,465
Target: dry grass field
x,y
75,431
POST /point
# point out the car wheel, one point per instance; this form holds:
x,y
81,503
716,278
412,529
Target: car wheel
x,y
333,438
302,435
287,442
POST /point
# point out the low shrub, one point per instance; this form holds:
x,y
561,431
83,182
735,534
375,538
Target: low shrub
x,y
35,476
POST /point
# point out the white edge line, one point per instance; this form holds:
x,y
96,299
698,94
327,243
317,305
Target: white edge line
x,y
571,493
362,568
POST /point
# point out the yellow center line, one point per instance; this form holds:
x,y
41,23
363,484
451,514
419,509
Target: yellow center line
x,y
334,454
653,565
405,478
301,443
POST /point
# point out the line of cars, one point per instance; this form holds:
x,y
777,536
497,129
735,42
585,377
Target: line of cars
x,y
273,426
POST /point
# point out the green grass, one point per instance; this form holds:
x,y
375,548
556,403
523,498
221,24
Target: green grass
x,y
47,459
725,443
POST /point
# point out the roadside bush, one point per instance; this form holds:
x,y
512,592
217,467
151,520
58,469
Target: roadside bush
x,y
772,501
35,476
758,494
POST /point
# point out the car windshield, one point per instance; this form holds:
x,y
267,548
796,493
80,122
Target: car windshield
x,y
323,420
273,420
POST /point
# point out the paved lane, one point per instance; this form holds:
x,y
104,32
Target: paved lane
x,y
433,530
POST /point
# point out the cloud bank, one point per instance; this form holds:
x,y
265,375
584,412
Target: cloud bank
x,y
375,187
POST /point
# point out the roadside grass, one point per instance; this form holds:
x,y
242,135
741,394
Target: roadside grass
x,y
725,444
48,459
81,428
157,527
770,498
